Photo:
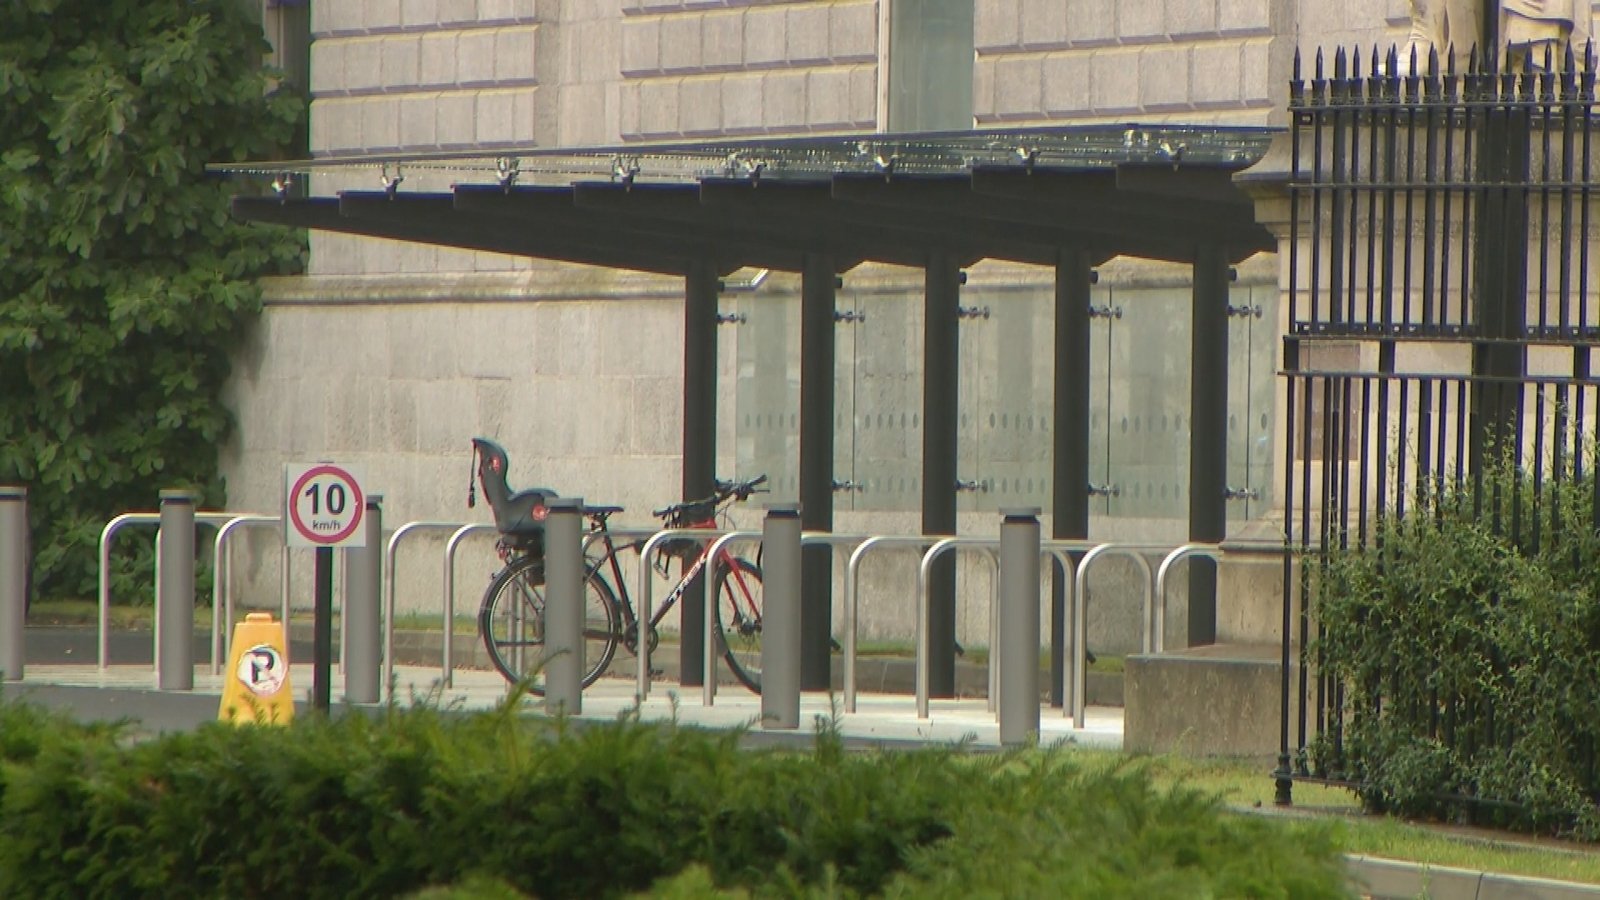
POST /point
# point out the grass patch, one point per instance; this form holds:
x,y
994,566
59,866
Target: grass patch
x,y
86,614
1247,786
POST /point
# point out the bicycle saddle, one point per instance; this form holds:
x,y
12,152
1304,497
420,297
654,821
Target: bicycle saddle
x,y
519,513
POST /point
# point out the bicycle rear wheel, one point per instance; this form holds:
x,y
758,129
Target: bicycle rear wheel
x,y
511,620
738,608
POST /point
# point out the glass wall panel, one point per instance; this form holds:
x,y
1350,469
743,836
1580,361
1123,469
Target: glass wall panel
x,y
1252,361
1104,321
887,376
1007,356
1148,456
767,401
850,309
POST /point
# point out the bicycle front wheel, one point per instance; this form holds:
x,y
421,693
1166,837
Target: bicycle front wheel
x,y
739,604
511,620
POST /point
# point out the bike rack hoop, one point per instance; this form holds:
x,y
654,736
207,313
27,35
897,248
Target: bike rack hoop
x,y
222,591
646,589
940,546
116,524
390,551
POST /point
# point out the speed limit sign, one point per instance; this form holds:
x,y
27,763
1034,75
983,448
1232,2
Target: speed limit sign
x,y
323,506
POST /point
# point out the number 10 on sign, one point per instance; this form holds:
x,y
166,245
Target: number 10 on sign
x,y
323,505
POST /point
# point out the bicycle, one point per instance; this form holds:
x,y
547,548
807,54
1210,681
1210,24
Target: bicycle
x,y
511,616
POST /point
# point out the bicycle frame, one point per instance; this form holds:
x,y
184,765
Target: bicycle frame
x,y
630,619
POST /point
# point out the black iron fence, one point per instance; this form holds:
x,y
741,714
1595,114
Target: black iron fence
x,y
1441,321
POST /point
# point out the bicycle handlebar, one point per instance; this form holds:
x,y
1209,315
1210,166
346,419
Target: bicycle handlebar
x,y
724,491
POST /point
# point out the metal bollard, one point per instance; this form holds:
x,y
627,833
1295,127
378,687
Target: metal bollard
x,y
780,617
563,607
14,568
1019,626
363,634
175,591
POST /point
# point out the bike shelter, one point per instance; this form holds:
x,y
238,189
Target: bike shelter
x,y
1066,198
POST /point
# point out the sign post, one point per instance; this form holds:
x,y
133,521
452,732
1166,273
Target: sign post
x,y
323,507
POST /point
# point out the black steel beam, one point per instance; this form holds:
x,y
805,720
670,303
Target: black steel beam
x,y
1211,185
817,300
1208,434
941,355
1054,224
1070,454
813,205
552,210
679,204
1094,197
322,213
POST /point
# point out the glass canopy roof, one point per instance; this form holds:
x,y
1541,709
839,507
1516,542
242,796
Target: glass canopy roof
x,y
814,157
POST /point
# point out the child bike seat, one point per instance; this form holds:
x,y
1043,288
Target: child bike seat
x,y
517,513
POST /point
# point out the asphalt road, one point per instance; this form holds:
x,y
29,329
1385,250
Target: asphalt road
x,y
50,646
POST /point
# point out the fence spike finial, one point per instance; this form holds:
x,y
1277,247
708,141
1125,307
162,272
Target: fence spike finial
x,y
1295,71
1319,63
1340,69
1433,61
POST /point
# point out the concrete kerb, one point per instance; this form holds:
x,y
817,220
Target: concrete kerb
x,y
1392,879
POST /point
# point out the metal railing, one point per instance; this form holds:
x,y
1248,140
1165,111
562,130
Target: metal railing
x,y
647,589
1155,621
1073,629
852,602
117,523
447,662
940,545
222,590
390,565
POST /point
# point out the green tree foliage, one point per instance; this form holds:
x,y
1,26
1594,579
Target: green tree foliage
x,y
123,281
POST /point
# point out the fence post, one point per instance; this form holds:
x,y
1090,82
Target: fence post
x,y
1019,625
780,617
563,611
175,591
14,579
361,626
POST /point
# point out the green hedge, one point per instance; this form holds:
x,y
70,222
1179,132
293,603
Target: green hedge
x,y
1467,635
387,807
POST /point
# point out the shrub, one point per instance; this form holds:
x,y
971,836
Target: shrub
x,y
1466,635
500,805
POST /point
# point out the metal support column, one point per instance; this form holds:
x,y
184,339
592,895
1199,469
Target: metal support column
x,y
14,568
780,617
175,591
1019,626
1208,434
362,624
817,289
1069,499
563,612
699,445
941,379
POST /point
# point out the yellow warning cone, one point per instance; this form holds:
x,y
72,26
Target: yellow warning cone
x,y
255,687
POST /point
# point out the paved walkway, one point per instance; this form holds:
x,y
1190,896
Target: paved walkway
x,y
130,691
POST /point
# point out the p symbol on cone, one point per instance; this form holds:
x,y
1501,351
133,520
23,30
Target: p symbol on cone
x,y
256,688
